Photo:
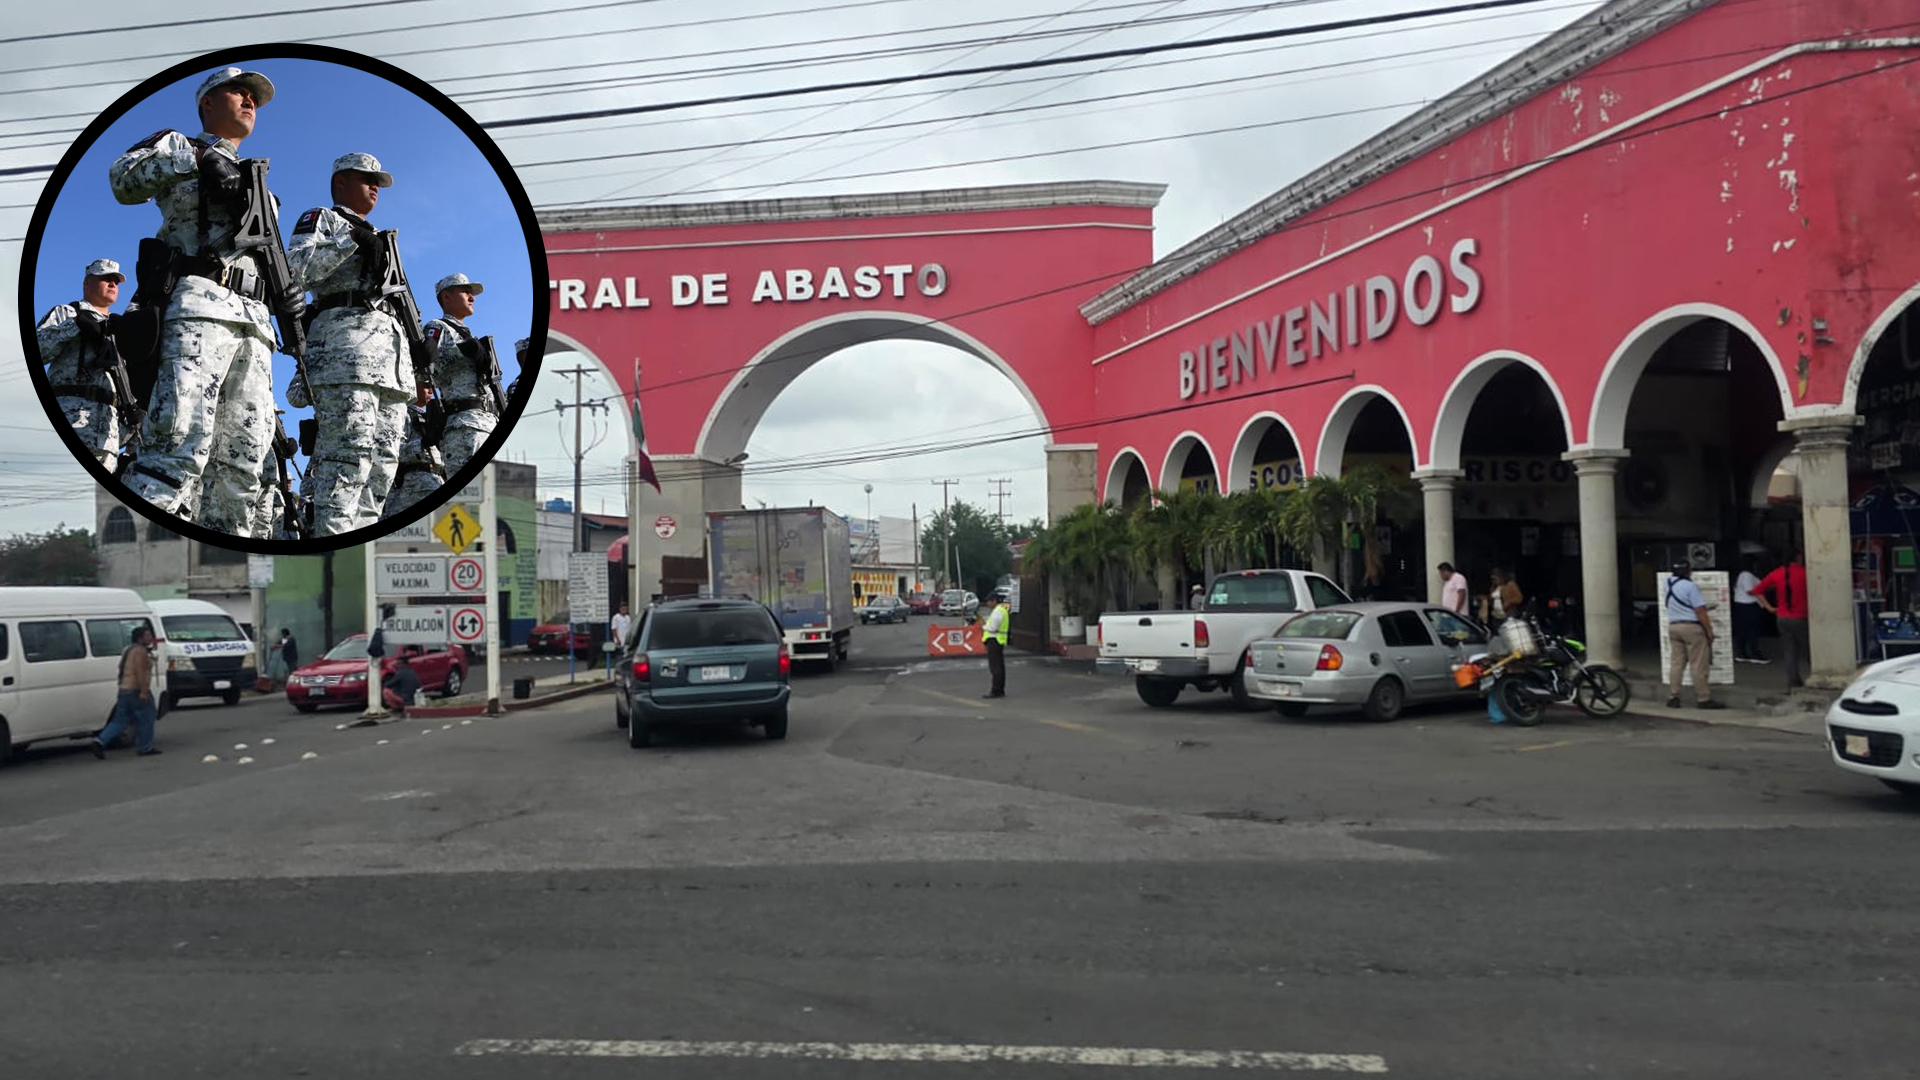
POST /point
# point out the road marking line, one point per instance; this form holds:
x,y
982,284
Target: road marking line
x,y
1071,725
935,1053
1544,746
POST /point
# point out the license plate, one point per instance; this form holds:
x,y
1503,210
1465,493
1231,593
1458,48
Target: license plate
x,y
1857,746
716,673
316,691
221,684
1286,689
1149,665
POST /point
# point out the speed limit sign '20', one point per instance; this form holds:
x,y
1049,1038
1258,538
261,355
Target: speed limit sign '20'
x,y
469,625
467,575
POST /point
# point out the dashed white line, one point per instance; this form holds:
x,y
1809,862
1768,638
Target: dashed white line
x,y
933,1053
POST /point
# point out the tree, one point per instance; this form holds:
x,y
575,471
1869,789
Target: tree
x,y
61,557
1086,552
1325,511
979,555
1031,528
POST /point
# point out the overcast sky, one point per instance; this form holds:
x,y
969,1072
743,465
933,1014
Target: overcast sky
x,y
507,60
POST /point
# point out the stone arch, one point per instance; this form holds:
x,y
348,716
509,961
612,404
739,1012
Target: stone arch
x,y
754,387
1175,462
1850,395
1339,424
1450,424
1247,444
1607,421
1115,489
1760,483
117,528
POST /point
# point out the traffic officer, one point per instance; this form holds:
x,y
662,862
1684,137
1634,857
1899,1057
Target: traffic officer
x,y
993,633
357,357
421,472
457,372
210,421
74,346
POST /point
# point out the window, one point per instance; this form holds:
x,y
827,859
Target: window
x,y
44,641
110,637
1325,593
200,628
1322,624
1453,628
354,648
157,532
3,641
118,528
1404,630
1252,590
705,628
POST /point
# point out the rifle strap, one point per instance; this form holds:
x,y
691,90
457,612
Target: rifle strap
x,y
148,470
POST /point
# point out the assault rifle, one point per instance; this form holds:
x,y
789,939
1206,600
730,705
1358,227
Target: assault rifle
x,y
394,294
284,447
259,230
486,363
101,351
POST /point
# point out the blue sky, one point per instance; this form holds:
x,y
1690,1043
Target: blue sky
x,y
451,210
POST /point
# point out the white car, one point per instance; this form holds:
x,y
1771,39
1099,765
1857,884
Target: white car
x,y
1874,729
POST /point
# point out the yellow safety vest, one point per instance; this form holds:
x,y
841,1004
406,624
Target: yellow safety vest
x,y
992,631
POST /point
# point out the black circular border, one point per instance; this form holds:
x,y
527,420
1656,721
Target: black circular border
x,y
503,170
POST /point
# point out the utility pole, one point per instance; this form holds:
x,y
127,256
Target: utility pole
x,y
916,545
1000,493
578,375
946,514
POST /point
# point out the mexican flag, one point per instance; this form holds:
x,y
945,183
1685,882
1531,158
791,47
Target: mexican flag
x,y
644,463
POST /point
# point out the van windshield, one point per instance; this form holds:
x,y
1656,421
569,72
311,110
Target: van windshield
x,y
200,628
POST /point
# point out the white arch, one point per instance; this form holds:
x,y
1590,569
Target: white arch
x,y
1450,424
1176,461
1762,480
1850,394
1240,465
1607,423
1333,434
1115,490
751,390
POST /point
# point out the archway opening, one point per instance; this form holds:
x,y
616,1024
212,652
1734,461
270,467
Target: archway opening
x,y
1377,437
1190,467
1128,485
1883,460
1517,504
1266,457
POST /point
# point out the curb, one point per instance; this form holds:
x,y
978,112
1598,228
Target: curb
x,y
432,712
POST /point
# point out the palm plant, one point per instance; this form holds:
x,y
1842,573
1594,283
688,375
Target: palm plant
x,y
1082,548
1321,513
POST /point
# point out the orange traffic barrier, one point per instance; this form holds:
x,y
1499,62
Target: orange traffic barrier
x,y
954,641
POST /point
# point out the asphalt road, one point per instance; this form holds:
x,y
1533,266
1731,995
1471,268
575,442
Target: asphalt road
x,y
918,882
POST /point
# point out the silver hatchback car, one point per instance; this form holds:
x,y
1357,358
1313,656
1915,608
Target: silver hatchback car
x,y
1375,657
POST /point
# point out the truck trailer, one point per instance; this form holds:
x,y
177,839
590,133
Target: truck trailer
x,y
797,562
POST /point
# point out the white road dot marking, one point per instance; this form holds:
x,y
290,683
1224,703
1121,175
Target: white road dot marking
x,y
239,746
266,742
932,1053
383,742
245,761
210,759
308,756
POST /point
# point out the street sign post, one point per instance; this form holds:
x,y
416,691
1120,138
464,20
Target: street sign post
x,y
587,586
468,624
425,624
410,575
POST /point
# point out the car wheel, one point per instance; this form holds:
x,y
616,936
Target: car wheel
x,y
1158,693
776,725
231,697
1908,788
1237,686
1386,700
1293,709
639,733
6,742
454,682
620,711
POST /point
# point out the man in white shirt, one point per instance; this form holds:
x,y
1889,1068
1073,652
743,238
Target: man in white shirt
x,y
1691,632
619,625
1453,589
1746,615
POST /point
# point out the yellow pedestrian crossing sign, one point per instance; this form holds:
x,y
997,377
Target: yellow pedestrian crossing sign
x,y
457,529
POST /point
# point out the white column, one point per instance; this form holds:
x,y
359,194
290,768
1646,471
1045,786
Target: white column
x,y
1821,444
1436,497
490,567
376,707
1599,552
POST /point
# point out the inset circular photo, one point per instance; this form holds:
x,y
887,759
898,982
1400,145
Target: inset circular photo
x,y
283,298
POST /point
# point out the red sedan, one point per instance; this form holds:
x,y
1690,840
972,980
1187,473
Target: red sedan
x,y
551,637
340,677
922,603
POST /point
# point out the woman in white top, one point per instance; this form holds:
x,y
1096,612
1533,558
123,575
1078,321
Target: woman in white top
x,y
1746,615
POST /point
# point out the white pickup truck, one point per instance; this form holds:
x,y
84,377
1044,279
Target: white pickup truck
x,y
1167,651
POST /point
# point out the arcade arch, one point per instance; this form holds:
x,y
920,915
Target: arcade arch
x,y
1883,391
1266,455
1189,462
1368,425
1127,485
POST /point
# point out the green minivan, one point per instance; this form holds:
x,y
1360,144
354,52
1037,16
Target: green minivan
x,y
698,660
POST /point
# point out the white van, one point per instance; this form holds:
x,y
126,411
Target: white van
x,y
60,660
203,651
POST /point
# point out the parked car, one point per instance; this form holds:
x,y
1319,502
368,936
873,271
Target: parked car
x,y
922,603
1375,657
700,661
551,637
959,602
1874,727
340,677
885,609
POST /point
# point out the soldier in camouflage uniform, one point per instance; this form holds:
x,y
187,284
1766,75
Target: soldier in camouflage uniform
x,y
357,359
463,386
421,472
211,416
75,347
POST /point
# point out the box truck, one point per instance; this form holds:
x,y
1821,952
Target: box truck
x,y
798,563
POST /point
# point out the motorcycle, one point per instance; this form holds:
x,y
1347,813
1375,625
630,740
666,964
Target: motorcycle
x,y
1534,668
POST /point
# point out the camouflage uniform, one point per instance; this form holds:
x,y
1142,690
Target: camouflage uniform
x,y
358,363
421,473
85,397
463,387
211,418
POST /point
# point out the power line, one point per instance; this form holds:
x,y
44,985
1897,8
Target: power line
x,y
1021,65
224,18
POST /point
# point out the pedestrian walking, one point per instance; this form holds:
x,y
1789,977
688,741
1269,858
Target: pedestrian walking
x,y
993,632
1690,632
1746,615
1787,588
1453,589
286,657
134,704
621,623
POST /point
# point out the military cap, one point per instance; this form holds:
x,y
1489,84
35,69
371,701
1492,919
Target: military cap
x,y
262,88
365,163
105,268
457,281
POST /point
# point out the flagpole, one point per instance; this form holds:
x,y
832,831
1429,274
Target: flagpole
x,y
633,501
